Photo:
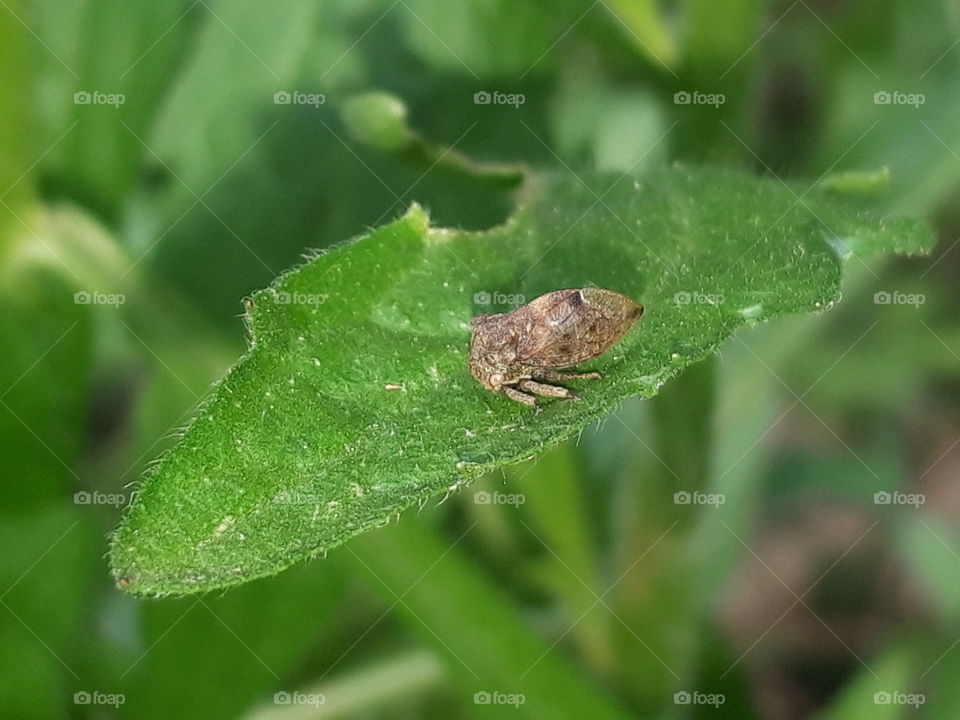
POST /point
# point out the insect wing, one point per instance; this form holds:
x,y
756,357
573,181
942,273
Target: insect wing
x,y
567,327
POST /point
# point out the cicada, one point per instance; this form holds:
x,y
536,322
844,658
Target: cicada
x,y
520,353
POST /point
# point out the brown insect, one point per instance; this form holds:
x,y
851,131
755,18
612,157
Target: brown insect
x,y
519,352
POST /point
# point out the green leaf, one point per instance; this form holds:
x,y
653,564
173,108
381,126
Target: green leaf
x,y
486,643
103,154
226,82
56,557
456,38
355,401
880,691
45,372
719,36
199,640
645,28
553,501
16,139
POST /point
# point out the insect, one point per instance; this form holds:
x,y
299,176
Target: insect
x,y
518,353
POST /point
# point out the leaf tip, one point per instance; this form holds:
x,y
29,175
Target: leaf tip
x,y
419,217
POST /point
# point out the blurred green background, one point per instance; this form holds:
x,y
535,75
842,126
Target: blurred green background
x,y
161,160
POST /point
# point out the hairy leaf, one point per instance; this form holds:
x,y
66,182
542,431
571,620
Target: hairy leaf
x,y
355,401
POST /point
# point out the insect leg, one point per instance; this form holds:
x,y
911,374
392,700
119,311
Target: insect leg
x,y
536,388
559,376
520,397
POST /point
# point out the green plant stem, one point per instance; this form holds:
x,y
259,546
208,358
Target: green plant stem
x,y
479,634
